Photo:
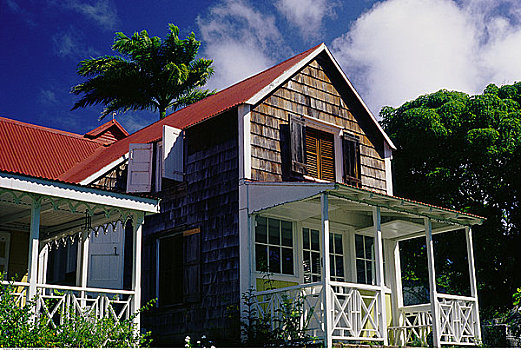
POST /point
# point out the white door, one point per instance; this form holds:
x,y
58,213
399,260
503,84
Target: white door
x,y
106,254
5,240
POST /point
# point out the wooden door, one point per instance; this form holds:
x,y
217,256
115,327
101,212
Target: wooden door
x,y
106,256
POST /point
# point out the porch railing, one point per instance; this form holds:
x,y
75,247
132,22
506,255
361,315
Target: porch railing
x,y
458,320
59,303
355,311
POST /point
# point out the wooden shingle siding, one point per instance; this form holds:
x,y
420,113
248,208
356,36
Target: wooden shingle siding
x,y
309,93
208,199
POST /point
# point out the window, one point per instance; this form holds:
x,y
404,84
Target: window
x,y
351,149
170,270
179,268
311,256
320,154
318,150
365,259
274,246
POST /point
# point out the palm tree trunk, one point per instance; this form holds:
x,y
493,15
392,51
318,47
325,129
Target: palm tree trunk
x,y
162,112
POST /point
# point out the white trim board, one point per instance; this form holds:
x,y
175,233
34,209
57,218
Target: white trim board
x,y
93,177
74,192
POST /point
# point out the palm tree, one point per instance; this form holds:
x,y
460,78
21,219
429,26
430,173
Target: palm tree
x,y
150,74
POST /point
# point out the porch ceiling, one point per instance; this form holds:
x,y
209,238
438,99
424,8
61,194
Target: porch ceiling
x,y
353,207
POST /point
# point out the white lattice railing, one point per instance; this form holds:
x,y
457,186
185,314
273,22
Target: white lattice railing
x,y
415,327
272,304
458,320
355,311
59,303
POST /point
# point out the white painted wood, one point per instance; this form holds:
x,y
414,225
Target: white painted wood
x,y
395,279
473,282
43,259
159,166
106,258
34,236
436,327
173,151
379,264
5,242
388,156
79,193
326,269
139,172
136,264
244,122
93,177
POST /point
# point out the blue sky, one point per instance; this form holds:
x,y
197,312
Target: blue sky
x,y
392,50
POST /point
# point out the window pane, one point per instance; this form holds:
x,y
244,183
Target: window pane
x,y
338,244
305,238
370,272
339,263
274,256
261,230
359,245
274,231
332,265
331,243
315,263
315,240
360,271
261,257
369,247
287,261
307,262
287,234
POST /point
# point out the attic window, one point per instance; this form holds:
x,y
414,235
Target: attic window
x,y
351,150
320,154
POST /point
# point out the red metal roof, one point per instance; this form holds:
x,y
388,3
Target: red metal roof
x,y
102,128
195,113
41,152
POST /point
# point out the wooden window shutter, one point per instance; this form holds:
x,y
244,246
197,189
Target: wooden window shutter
x,y
351,150
297,136
191,266
172,157
139,177
320,154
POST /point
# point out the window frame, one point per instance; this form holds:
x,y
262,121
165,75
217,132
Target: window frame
x,y
337,131
295,244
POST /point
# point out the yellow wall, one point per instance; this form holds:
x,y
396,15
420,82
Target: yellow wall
x,y
263,284
18,250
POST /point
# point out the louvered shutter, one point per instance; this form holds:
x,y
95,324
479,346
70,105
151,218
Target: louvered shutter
x,y
172,153
191,267
139,177
297,139
320,154
351,150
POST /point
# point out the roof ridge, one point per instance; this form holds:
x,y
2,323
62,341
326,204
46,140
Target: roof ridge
x,y
45,128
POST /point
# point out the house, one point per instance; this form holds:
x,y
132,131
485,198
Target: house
x,y
52,232
262,181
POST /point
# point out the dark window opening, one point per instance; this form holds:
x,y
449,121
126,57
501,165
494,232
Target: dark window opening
x,y
351,149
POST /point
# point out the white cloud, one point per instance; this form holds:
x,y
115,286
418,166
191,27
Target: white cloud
x,y
403,48
241,40
71,44
306,15
101,12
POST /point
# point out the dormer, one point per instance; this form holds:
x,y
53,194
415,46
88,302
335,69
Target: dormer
x,y
107,133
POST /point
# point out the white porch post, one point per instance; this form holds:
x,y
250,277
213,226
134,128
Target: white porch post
x,y
136,264
395,277
380,272
325,271
82,265
473,284
43,259
436,327
34,247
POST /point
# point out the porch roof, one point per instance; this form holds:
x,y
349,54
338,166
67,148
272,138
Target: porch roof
x,y
265,195
65,207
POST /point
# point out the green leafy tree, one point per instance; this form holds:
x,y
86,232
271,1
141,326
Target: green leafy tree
x,y
150,74
464,152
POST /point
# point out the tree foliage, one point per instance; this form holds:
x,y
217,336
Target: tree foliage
x,y
464,152
20,328
150,74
